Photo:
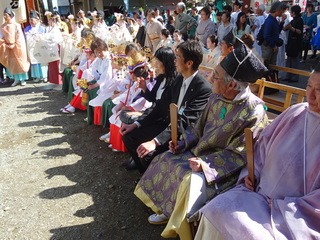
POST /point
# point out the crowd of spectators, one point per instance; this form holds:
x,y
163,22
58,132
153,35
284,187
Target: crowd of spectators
x,y
125,69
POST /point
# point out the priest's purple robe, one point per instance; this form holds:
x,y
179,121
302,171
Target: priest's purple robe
x,y
286,204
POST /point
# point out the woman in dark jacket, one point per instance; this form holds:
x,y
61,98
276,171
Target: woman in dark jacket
x,y
295,41
165,74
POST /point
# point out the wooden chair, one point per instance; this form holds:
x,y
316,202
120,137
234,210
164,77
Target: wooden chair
x,y
293,95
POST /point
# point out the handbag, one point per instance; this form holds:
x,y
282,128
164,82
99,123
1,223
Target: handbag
x,y
306,36
129,116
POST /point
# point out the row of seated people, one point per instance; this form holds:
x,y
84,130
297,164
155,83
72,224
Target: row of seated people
x,y
211,152
106,76
208,159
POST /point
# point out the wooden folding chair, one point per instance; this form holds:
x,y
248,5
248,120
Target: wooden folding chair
x,y
250,154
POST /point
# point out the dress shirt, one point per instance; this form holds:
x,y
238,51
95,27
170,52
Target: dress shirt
x,y
184,87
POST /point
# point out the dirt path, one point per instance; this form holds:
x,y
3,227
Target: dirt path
x,y
57,180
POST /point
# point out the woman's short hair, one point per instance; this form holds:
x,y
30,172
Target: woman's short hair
x,y
206,10
310,5
151,12
98,43
130,47
170,18
213,39
178,32
165,32
296,9
248,40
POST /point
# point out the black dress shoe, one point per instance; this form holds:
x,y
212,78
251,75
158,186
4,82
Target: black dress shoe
x,y
124,164
131,165
136,181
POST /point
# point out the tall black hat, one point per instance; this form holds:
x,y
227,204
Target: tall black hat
x,y
232,40
243,65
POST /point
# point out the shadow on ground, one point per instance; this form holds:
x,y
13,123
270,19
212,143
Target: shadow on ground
x,y
116,212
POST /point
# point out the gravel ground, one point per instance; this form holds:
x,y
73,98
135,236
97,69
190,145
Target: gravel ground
x,y
57,180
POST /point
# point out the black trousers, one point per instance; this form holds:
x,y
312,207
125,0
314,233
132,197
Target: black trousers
x,y
132,141
1,71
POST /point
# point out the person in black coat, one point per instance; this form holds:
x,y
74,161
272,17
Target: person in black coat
x,y
190,91
166,74
295,42
170,25
141,34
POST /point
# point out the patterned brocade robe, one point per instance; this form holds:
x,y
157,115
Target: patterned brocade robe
x,y
217,138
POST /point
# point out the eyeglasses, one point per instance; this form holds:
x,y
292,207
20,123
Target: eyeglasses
x,y
215,78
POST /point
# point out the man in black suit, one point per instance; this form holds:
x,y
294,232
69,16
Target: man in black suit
x,y
190,92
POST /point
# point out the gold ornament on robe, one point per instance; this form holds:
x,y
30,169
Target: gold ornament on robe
x,y
82,83
136,61
147,52
85,42
118,55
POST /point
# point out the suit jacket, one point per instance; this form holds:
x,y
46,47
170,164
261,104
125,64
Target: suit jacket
x,y
193,103
151,95
141,36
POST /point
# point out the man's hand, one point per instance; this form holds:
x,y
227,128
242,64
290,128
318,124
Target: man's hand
x,y
195,164
275,49
146,148
126,128
125,108
248,184
174,149
284,17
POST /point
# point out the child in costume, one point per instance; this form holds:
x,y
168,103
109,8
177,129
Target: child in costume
x,y
39,72
116,84
129,100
